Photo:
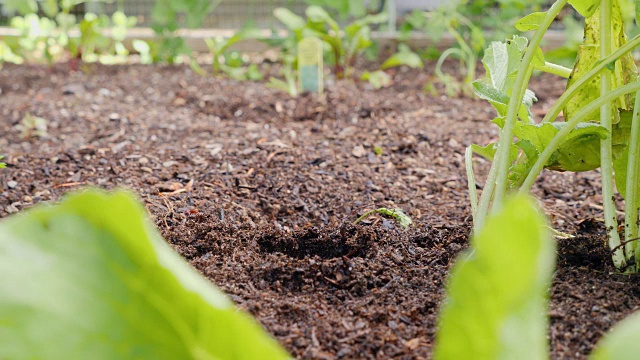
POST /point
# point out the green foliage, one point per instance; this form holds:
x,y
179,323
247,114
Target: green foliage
x,y
165,17
289,72
8,55
403,57
32,126
37,39
378,79
347,9
600,127
495,17
469,40
497,293
622,342
166,14
46,38
501,61
2,165
345,45
95,267
497,290
231,63
397,214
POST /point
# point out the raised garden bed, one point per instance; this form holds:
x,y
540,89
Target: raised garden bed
x,y
258,191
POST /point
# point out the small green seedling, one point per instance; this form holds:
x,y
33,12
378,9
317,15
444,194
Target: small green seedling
x,y
223,58
397,214
96,267
2,165
288,71
469,39
403,57
32,126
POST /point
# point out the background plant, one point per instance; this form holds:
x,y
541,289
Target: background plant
x,y
48,37
403,57
165,21
469,39
345,46
231,62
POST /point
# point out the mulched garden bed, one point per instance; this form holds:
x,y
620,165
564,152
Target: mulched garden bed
x,y
258,191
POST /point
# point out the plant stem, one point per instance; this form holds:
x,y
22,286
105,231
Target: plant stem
x,y
485,198
631,198
555,69
471,182
579,117
573,89
606,156
506,136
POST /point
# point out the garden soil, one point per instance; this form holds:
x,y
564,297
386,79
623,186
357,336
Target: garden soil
x,y
259,191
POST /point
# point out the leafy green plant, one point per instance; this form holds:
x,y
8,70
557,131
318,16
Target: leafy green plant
x,y
165,21
346,9
601,120
230,62
289,72
346,46
7,55
497,293
92,278
497,17
469,38
37,38
2,165
397,214
49,36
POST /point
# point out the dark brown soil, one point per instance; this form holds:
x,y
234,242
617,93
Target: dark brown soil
x,y
259,191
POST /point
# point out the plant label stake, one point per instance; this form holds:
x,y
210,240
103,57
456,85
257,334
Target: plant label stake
x,y
310,65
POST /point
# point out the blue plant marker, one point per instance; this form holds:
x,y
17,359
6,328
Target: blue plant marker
x,y
310,65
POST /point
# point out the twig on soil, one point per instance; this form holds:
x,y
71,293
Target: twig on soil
x,y
70,184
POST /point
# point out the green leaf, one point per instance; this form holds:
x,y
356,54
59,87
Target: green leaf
x,y
378,79
624,70
289,19
579,151
398,214
23,7
91,278
497,290
317,14
538,58
488,152
531,21
501,61
637,5
622,342
404,57
50,7
500,100
585,8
